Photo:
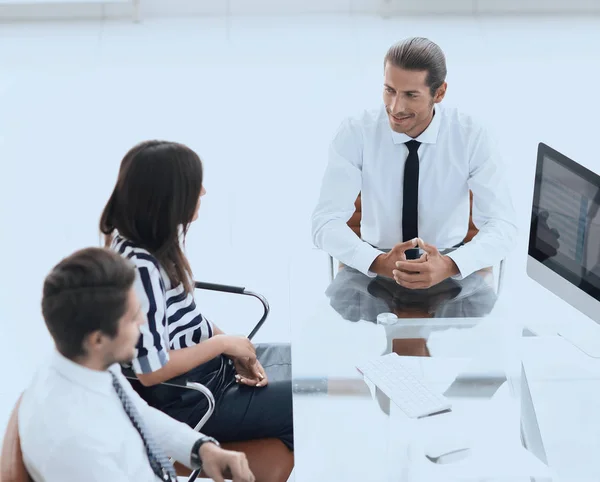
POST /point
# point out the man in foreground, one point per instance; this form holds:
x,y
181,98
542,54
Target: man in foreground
x,y
80,419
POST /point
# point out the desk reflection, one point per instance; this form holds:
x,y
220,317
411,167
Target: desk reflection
x,y
357,297
445,309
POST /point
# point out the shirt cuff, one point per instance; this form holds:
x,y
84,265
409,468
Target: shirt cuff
x,y
180,447
176,438
463,263
364,257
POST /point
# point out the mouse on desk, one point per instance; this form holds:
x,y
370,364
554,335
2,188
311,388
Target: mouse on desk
x,y
447,453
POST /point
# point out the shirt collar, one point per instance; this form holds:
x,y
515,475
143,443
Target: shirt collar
x,y
428,136
94,380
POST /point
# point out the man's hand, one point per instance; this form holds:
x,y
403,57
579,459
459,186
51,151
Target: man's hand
x,y
385,264
430,269
250,372
218,463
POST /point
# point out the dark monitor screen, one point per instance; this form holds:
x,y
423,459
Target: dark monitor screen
x,y
565,221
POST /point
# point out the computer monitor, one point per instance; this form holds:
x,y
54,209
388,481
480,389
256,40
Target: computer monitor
x,y
564,239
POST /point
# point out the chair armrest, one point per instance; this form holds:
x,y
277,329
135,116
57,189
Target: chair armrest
x,y
223,288
239,291
130,375
501,271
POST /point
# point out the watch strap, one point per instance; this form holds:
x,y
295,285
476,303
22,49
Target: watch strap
x,y
196,462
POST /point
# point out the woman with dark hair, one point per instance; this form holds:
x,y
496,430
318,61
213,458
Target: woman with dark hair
x,y
146,219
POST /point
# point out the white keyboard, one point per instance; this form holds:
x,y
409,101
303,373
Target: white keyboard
x,y
403,388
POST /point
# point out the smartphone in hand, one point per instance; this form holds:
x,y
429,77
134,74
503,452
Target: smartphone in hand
x,y
414,253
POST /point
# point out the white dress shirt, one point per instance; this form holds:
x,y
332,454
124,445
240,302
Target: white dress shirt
x,y
456,155
73,427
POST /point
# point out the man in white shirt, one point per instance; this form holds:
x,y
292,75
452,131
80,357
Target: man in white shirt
x,y
414,162
80,419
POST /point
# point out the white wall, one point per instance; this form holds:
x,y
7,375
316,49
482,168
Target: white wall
x,y
46,9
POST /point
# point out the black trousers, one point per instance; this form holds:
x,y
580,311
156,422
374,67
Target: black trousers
x,y
241,412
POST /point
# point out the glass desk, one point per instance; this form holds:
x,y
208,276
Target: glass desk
x,y
560,400
346,429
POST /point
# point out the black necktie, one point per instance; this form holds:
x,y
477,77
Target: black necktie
x,y
411,192
160,463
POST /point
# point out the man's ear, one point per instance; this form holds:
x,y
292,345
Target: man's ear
x,y
440,93
93,341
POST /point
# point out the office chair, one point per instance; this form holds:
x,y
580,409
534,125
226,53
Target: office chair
x,y
354,224
266,456
269,459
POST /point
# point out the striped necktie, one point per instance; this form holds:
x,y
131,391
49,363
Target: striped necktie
x,y
160,463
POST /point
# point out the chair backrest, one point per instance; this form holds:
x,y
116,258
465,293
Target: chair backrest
x,y
354,221
12,468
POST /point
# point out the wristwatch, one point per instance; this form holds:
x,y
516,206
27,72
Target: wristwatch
x,y
196,462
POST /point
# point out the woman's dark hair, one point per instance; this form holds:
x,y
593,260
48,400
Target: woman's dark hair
x,y
156,195
420,54
84,293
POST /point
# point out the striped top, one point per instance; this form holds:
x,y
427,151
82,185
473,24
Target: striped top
x,y
174,320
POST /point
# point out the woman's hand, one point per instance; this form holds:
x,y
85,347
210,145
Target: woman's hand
x,y
250,373
238,347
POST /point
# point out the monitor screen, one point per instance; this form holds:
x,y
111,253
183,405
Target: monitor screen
x,y
565,223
